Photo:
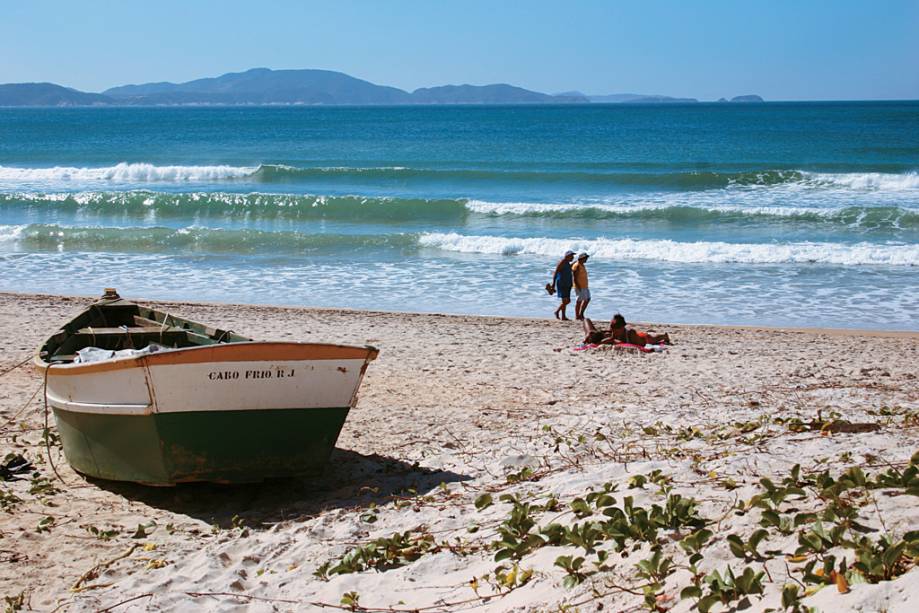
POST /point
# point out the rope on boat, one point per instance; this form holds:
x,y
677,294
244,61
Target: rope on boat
x,y
10,420
129,338
101,314
46,431
12,368
164,326
43,387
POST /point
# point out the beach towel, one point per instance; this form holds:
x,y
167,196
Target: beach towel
x,y
643,349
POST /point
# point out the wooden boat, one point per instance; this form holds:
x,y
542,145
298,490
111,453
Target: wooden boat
x,y
179,401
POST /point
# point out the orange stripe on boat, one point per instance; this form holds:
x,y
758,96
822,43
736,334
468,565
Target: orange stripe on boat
x,y
229,352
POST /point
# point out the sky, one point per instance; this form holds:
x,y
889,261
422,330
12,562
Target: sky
x,y
780,49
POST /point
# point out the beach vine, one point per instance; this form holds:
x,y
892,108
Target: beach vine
x,y
835,547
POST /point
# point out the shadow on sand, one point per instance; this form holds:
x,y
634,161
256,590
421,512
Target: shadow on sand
x,y
350,480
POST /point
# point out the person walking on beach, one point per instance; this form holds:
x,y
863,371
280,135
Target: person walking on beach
x,y
579,271
561,283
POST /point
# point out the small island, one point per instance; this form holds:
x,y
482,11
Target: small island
x,y
744,98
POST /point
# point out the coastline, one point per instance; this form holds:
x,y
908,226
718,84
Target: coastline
x,y
456,407
510,318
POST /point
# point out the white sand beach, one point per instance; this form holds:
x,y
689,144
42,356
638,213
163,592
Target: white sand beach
x,y
460,410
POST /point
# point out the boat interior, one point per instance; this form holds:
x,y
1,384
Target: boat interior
x,y
115,324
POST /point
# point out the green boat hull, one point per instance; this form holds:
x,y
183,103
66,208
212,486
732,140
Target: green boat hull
x,y
216,446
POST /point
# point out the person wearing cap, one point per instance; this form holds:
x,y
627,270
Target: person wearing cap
x,y
579,272
561,283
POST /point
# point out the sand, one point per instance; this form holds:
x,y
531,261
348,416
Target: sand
x,y
457,407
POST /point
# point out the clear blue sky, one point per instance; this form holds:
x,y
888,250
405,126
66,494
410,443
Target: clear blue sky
x,y
781,49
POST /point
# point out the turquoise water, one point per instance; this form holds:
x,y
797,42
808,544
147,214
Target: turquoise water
x,y
772,214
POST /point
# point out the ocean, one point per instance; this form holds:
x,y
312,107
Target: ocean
x,y
775,214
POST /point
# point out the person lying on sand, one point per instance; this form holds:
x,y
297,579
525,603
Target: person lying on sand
x,y
618,333
622,334
597,337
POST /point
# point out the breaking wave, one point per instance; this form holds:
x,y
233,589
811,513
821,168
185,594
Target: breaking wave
x,y
158,239
683,252
867,217
679,180
149,206
123,173
194,239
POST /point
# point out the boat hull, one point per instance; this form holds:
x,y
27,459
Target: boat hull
x,y
217,446
233,413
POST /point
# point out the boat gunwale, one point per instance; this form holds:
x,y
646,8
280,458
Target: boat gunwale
x,y
240,351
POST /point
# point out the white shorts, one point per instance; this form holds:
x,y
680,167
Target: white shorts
x,y
582,294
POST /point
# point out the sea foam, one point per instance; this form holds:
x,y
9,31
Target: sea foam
x,y
11,234
638,209
867,181
123,173
683,252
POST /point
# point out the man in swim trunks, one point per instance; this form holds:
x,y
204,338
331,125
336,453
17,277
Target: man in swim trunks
x,y
561,283
579,271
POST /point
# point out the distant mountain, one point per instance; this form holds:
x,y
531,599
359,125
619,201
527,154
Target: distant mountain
x,y
47,94
264,86
261,86
638,99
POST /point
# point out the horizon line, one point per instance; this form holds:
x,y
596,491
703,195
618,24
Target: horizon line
x,y
562,93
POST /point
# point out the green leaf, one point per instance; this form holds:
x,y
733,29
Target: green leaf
x,y
705,604
857,476
737,546
756,538
637,481
770,518
893,554
580,507
691,592
482,502
789,596
605,500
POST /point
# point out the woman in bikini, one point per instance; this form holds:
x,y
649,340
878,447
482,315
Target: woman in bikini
x,y
620,333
